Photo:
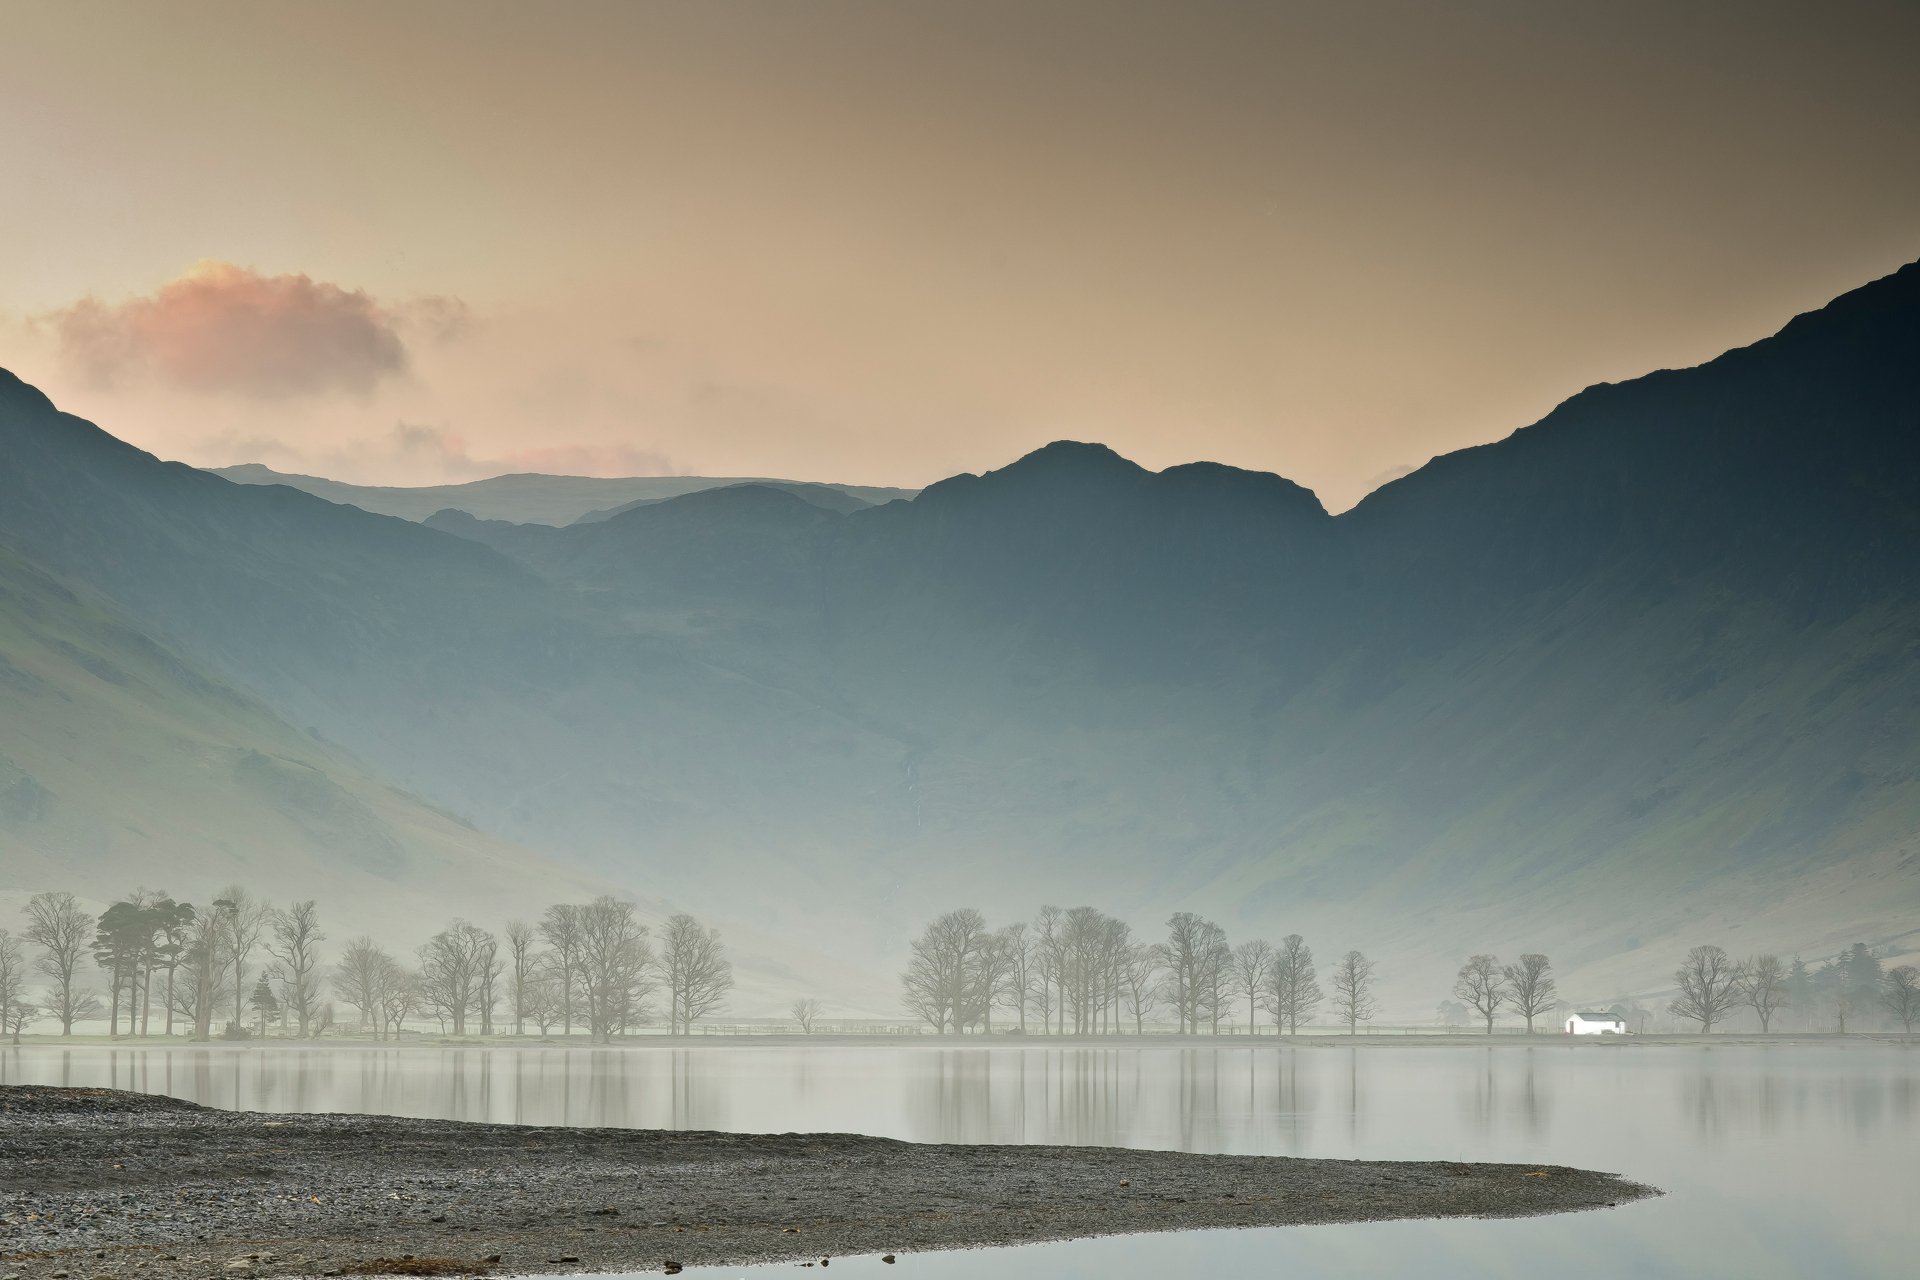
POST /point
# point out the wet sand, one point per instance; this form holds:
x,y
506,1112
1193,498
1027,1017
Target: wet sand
x,y
96,1183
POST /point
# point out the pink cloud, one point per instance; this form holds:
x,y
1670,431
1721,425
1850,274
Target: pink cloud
x,y
223,328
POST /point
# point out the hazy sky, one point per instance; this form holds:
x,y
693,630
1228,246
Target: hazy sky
x,y
887,242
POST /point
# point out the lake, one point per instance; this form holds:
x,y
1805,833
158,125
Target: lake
x,y
1783,1160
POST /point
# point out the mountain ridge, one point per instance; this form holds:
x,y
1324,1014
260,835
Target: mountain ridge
x,y
1656,649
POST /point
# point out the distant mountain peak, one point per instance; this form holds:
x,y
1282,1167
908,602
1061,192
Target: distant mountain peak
x,y
1075,454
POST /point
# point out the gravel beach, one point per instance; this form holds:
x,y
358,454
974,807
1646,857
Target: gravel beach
x,y
98,1183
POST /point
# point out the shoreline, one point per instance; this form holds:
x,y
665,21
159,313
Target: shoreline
x,y
98,1181
1510,1040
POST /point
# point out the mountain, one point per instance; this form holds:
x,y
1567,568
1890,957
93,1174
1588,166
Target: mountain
x,y
460,675
541,499
122,763
1643,674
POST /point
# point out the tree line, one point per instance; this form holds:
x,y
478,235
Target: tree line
x,y
1854,984
240,959
1710,985
1080,971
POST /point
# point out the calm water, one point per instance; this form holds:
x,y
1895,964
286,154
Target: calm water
x,y
1785,1161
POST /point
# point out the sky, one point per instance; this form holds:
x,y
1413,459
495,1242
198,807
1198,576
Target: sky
x,y
888,242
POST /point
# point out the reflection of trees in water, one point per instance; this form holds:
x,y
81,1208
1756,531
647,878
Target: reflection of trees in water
x,y
1293,1099
1080,1096
1187,1099
954,1095
1481,1093
1200,1099
1505,1085
1737,1096
1532,1106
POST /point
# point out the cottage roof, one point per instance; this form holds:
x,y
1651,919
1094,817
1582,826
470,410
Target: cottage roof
x,y
1599,1017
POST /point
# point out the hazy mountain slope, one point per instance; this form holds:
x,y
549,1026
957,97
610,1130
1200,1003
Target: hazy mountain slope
x,y
459,674
541,499
1642,673
1657,651
122,764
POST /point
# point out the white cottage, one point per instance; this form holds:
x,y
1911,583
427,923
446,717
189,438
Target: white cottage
x,y
1596,1024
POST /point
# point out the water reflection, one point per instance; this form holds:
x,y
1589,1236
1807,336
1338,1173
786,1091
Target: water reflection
x,y
1780,1161
1268,1099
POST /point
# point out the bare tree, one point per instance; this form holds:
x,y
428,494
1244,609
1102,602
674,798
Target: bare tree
x,y
805,1012
1251,962
1016,955
1293,990
1085,936
58,925
247,920
560,927
452,969
296,952
1216,978
206,960
520,937
1900,992
486,997
17,1017
206,988
1140,975
1483,985
1709,989
541,996
360,979
941,971
1194,958
1530,987
13,981
697,971
616,964
1353,990
1761,982
1048,962
993,976
400,997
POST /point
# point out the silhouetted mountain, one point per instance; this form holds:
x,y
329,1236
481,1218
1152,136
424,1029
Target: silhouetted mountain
x,y
841,498
1642,673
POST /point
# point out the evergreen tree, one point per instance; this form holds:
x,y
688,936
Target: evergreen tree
x,y
265,1003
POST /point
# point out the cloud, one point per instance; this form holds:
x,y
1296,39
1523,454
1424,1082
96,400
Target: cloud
x,y
441,318
222,328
